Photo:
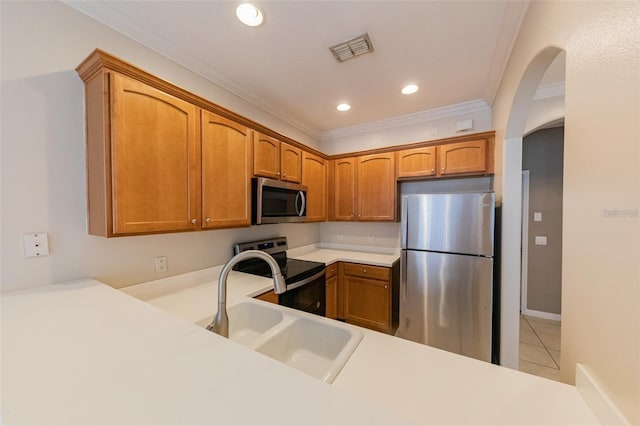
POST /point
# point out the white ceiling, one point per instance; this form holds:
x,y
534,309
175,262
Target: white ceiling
x,y
455,51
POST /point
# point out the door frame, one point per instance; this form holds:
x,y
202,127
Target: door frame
x,y
525,243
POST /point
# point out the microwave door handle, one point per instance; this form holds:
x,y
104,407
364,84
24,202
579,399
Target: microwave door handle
x,y
304,204
296,203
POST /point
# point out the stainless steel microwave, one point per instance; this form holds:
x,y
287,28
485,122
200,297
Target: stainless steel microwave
x,y
275,201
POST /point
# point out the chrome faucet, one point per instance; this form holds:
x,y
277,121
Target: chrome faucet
x,y
220,323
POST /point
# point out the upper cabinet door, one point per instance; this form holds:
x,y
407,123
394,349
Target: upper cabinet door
x,y
376,187
226,172
343,179
314,177
417,162
462,157
266,156
154,158
290,163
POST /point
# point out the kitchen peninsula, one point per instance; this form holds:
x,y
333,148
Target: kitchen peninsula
x,y
141,359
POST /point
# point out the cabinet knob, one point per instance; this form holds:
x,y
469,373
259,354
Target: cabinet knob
x,y
284,175
277,173
386,286
194,221
208,220
364,270
444,168
433,170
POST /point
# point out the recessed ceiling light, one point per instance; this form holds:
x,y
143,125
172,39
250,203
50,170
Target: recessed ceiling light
x,y
249,15
343,107
410,89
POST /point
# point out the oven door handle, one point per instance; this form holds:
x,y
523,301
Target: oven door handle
x,y
305,281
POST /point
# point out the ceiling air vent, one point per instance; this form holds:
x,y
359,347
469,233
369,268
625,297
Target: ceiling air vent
x,y
352,48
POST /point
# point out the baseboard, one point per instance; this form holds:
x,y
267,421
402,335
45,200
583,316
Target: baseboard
x,y
595,397
542,315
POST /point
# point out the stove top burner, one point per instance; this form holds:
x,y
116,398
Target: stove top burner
x,y
293,270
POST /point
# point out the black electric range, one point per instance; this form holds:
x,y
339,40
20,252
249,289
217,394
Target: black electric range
x,y
305,279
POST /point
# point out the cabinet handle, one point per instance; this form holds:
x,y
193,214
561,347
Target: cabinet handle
x,y
194,221
208,220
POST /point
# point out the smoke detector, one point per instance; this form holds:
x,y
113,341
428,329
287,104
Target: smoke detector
x,y
352,48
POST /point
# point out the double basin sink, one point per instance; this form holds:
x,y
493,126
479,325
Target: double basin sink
x,y
314,345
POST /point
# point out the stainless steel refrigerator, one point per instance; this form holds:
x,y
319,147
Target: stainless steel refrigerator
x,y
447,271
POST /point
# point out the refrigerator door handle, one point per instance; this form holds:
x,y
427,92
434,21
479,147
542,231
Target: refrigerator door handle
x,y
403,223
403,275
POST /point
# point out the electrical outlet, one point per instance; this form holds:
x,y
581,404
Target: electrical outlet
x,y
541,240
36,245
161,264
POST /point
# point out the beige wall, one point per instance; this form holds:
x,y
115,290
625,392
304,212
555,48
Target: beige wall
x,y
542,155
601,274
43,164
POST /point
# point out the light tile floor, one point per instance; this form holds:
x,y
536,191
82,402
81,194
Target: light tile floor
x,y
540,347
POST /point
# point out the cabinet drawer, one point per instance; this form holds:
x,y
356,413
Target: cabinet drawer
x,y
368,271
331,270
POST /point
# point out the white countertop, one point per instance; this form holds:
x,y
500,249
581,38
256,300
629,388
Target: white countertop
x,y
331,253
83,353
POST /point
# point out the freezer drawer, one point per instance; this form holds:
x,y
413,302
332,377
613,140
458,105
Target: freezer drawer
x,y
446,302
452,223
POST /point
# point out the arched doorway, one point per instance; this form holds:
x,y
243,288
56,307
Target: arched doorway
x,y
510,269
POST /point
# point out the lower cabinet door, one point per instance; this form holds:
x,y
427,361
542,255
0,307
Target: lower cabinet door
x,y
368,303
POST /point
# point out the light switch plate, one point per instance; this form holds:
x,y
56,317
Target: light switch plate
x,y
537,216
541,241
36,245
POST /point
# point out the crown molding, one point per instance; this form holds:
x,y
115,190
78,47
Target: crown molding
x,y
477,105
123,25
550,91
509,30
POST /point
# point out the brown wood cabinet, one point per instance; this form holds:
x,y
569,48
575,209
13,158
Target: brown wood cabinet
x,y
331,276
275,159
226,172
162,159
363,188
290,163
462,158
473,157
417,162
314,177
142,158
342,186
268,296
370,296
266,156
376,187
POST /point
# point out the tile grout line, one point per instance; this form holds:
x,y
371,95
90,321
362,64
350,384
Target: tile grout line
x,y
543,345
